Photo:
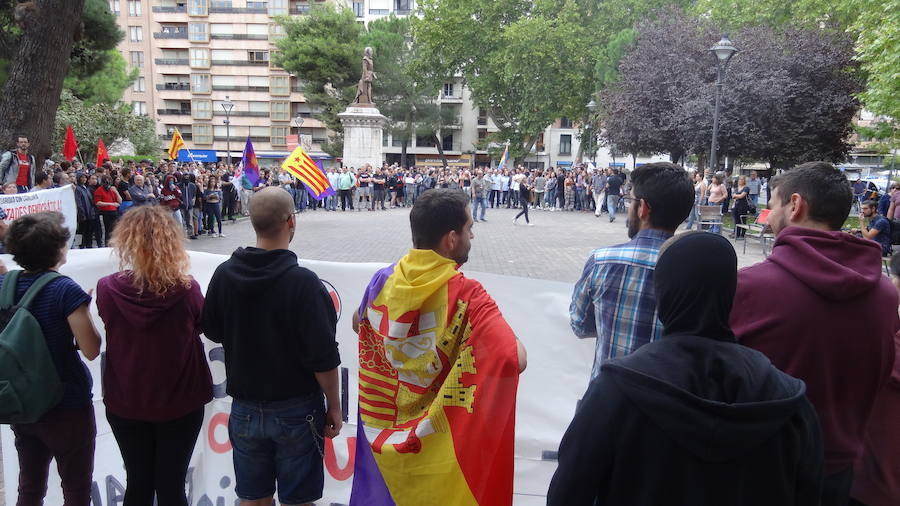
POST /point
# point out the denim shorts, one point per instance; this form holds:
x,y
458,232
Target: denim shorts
x,y
278,441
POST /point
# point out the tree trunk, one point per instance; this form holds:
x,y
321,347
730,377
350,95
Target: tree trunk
x,y
440,148
31,93
403,151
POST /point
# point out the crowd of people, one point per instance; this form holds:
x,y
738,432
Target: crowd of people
x,y
714,386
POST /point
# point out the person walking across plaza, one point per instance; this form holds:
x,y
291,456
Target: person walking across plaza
x,y
480,187
156,380
598,188
523,197
702,420
614,184
614,300
426,330
276,323
67,432
821,310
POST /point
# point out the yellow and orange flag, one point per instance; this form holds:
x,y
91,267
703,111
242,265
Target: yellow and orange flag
x,y
176,145
301,166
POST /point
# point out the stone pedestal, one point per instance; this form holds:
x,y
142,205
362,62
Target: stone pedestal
x,y
362,136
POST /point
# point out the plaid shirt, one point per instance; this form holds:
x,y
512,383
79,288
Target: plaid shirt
x,y
615,301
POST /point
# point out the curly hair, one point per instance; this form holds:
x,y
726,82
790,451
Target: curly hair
x,y
149,241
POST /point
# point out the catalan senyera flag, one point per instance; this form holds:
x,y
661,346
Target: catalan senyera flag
x,y
176,145
301,166
504,158
438,374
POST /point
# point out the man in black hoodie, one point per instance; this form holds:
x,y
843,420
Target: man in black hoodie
x,y
276,323
693,418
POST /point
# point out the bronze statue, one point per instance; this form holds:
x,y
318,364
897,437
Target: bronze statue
x,y
364,88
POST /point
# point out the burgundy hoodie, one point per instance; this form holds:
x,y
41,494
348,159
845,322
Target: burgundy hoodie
x,y
821,310
155,367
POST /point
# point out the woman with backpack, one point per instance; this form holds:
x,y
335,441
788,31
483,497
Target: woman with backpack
x,y
156,380
67,431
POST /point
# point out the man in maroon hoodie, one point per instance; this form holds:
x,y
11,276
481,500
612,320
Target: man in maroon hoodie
x,y
821,310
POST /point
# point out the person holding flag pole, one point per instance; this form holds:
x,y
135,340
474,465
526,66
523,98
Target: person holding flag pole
x,y
301,166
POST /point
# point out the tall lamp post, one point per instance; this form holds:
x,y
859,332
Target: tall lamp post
x,y
723,50
592,108
228,105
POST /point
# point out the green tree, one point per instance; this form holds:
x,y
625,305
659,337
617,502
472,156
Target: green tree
x,y
323,49
106,86
878,48
92,122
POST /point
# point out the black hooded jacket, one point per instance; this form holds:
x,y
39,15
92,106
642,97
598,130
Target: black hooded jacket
x,y
276,323
693,418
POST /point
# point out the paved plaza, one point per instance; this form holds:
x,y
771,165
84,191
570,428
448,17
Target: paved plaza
x,y
554,249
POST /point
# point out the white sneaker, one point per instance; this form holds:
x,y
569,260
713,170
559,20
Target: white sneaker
x,y
531,224
515,221
215,234
221,235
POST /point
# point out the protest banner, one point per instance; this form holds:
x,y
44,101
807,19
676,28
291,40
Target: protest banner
x,y
54,199
558,369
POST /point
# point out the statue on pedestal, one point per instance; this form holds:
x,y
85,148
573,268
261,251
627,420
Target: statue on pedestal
x,y
364,88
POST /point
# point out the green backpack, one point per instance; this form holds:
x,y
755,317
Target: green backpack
x,y
29,383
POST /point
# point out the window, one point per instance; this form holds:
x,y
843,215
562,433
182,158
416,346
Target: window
x,y
482,116
482,135
565,123
200,83
258,81
385,138
448,89
198,8
258,108
278,7
565,144
198,32
201,109
359,9
202,134
280,85
114,7
425,141
279,135
402,6
136,33
199,58
258,56
281,110
276,31
139,108
139,85
134,8
447,142
137,59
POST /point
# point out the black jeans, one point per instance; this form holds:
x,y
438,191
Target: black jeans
x,y
524,210
109,221
156,457
836,488
87,233
346,199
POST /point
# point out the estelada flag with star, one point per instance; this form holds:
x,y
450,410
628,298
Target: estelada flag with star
x,y
301,166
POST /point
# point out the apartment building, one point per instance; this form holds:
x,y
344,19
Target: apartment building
x,y
205,69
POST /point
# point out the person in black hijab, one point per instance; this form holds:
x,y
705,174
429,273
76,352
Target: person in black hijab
x,y
693,418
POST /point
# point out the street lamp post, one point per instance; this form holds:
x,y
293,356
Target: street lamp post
x,y
228,105
592,108
723,50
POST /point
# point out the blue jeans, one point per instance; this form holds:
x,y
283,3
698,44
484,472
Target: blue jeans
x,y
612,202
479,201
694,216
753,200
331,203
579,198
278,441
550,197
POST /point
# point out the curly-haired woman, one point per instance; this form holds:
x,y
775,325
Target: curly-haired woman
x,y
156,380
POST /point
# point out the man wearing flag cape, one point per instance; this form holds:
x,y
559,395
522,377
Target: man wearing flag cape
x,y
438,373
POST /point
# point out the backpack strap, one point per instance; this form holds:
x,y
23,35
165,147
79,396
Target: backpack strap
x,y
36,288
8,289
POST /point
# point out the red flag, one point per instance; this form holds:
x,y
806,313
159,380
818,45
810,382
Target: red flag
x,y
71,146
102,155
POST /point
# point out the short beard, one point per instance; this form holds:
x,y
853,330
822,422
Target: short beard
x,y
634,223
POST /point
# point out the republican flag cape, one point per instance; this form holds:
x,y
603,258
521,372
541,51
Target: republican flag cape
x,y
503,159
176,145
249,164
301,166
102,155
70,148
438,373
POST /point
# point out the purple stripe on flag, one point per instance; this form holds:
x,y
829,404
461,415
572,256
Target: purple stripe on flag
x,y
374,288
369,488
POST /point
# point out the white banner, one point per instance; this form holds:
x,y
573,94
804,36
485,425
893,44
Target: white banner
x,y
54,199
558,369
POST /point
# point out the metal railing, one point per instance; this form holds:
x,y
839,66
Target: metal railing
x,y
240,63
171,61
239,36
238,10
175,112
174,86
175,9
239,88
176,34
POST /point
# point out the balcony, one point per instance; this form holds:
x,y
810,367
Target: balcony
x,y
238,10
239,88
176,9
174,112
299,9
239,36
171,61
171,34
246,114
174,86
240,63
184,135
234,138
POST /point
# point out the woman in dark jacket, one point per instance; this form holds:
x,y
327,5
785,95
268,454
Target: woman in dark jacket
x,y
694,418
87,213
